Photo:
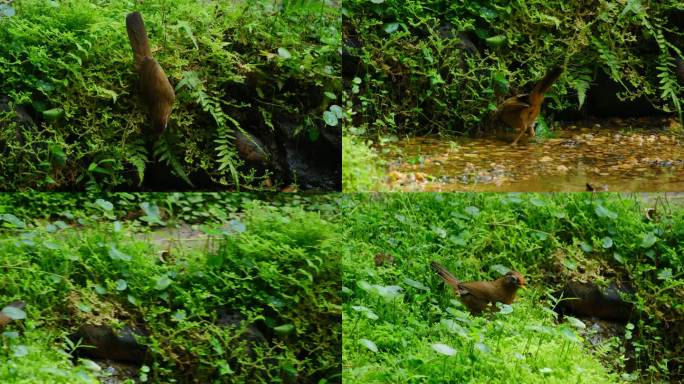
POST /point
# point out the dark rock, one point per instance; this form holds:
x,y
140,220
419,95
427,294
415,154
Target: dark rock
x,y
235,319
22,118
105,342
602,100
588,299
117,373
250,148
312,164
352,64
255,337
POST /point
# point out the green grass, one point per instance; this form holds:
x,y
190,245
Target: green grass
x,y
403,310
361,168
276,266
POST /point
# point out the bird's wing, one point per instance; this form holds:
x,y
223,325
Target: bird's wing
x,y
517,101
514,104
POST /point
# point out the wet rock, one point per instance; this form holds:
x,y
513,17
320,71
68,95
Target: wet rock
x,y
250,148
314,164
598,331
590,300
105,342
117,373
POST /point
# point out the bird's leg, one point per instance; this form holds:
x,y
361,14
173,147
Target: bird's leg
x,y
522,132
532,130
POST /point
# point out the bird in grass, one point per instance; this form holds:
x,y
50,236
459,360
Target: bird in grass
x,y
521,111
478,295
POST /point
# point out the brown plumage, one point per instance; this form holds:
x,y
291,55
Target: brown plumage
x,y
155,89
4,319
478,295
521,111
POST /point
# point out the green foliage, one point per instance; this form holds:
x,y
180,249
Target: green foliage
x,y
149,208
418,72
70,65
360,166
276,267
404,311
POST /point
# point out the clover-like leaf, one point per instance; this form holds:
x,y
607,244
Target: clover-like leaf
x,y
162,283
121,285
369,344
443,349
416,284
14,313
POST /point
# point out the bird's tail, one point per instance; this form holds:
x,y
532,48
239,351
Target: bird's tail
x,y
138,37
544,84
445,274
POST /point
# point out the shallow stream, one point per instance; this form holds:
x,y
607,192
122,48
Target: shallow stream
x,y
612,156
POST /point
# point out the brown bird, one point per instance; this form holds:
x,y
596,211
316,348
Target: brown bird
x,y
155,89
478,295
4,319
521,111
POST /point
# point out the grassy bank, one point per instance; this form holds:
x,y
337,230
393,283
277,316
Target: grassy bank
x,y
273,267
402,325
71,117
439,66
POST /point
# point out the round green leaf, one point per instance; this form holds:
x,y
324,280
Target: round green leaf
x,y
443,349
369,344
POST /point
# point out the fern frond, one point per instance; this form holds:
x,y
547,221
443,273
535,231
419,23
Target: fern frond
x,y
136,155
225,138
163,151
581,84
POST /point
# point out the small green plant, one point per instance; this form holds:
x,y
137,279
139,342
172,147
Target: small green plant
x,y
361,168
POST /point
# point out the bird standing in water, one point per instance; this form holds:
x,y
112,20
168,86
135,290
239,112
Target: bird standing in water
x,y
521,111
478,295
155,89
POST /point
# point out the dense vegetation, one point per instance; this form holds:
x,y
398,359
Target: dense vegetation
x,y
442,66
71,117
401,325
360,169
84,260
